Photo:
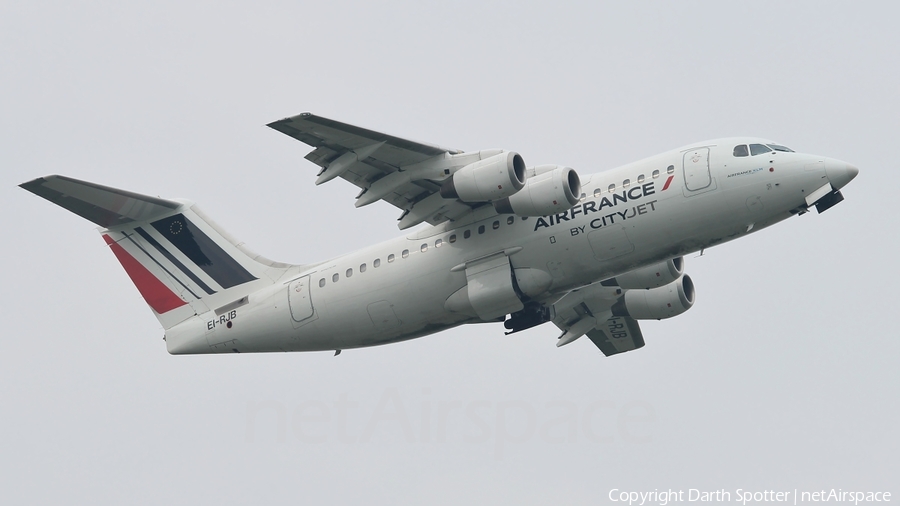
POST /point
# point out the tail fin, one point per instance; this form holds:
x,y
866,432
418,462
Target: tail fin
x,y
181,262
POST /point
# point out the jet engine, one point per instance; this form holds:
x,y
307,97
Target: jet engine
x,y
652,276
657,303
552,189
486,180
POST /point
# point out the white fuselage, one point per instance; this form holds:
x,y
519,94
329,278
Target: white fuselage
x,y
606,234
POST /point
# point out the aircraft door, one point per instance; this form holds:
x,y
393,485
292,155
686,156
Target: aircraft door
x,y
300,301
696,169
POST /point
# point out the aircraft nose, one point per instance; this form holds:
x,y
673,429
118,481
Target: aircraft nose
x,y
839,173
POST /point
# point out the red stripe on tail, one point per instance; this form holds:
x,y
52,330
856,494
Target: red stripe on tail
x,y
157,295
668,182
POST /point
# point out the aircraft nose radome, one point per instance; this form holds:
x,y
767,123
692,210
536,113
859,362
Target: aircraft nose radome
x,y
839,173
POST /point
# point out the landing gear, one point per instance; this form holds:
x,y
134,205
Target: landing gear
x,y
532,315
828,201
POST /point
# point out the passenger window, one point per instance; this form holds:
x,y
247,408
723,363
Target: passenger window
x,y
741,150
390,258
349,272
481,229
452,239
510,220
467,234
405,253
362,268
321,282
641,179
423,248
597,192
583,196
655,174
438,243
626,183
377,263
612,188
335,278
496,225
758,149
670,169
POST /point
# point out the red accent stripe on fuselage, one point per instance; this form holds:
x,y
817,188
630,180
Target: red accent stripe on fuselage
x,y
668,182
157,295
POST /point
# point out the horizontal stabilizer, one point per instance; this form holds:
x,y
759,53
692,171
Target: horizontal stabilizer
x,y
105,206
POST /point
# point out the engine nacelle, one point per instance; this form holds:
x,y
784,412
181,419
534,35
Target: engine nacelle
x,y
550,192
657,303
487,180
652,276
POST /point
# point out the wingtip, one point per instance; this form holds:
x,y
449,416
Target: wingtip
x,y
289,118
27,185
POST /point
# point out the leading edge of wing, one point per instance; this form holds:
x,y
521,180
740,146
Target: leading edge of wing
x,y
294,127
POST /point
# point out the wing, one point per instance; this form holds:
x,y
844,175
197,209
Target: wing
x,y
588,311
404,173
617,335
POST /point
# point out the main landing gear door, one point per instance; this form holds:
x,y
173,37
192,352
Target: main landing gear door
x,y
490,287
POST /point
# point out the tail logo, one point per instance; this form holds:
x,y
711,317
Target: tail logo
x,y
202,250
157,295
668,182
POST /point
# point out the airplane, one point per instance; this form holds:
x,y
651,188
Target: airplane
x,y
499,241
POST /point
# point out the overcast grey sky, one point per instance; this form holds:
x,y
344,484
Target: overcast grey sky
x,y
783,375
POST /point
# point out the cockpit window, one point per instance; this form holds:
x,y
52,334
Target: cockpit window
x,y
741,150
758,149
778,147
